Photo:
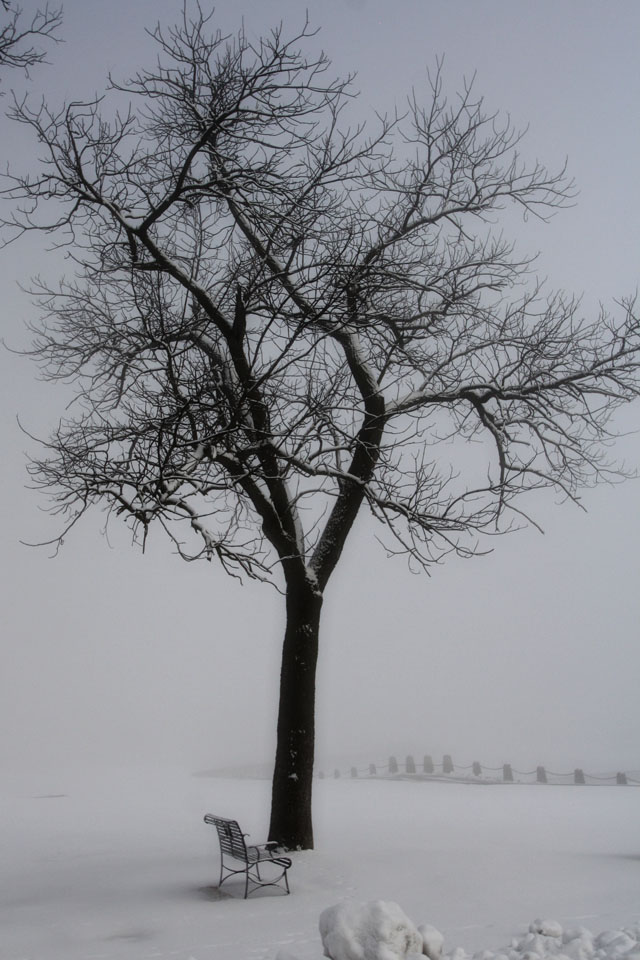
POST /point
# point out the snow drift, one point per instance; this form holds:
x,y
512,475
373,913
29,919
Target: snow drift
x,y
380,930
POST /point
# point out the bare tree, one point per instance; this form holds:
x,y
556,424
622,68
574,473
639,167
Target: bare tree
x,y
19,40
277,320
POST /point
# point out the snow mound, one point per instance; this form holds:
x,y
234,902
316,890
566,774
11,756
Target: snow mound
x,y
375,930
547,939
380,930
548,928
432,941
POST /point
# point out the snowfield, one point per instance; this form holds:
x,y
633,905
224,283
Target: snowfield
x,y
119,864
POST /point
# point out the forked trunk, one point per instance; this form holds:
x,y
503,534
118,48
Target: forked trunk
x,y
291,823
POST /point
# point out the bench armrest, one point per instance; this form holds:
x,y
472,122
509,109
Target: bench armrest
x,y
264,849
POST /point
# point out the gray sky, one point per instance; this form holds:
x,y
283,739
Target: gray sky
x,y
529,655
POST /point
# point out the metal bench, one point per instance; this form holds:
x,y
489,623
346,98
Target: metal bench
x,y
232,845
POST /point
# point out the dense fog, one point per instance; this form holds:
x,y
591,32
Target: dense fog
x,y
527,655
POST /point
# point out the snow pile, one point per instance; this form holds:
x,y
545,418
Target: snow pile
x,y
546,938
380,930
432,941
376,930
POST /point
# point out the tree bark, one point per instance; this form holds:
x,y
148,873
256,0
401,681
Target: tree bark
x,y
291,824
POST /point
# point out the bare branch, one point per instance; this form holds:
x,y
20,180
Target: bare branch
x,y
20,40
277,319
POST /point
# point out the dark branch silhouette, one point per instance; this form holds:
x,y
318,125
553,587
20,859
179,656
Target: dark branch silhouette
x,y
20,40
278,319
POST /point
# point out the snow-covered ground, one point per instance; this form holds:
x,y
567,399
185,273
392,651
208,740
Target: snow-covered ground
x,y
118,864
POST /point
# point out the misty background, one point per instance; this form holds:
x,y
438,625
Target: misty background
x,y
528,655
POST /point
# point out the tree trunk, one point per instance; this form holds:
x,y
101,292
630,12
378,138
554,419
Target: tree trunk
x,y
291,824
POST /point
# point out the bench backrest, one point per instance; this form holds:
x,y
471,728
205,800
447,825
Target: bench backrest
x,y
230,836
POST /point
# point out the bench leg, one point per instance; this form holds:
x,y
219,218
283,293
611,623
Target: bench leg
x,y
254,877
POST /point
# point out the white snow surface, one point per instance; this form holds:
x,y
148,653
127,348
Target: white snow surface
x,y
118,865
